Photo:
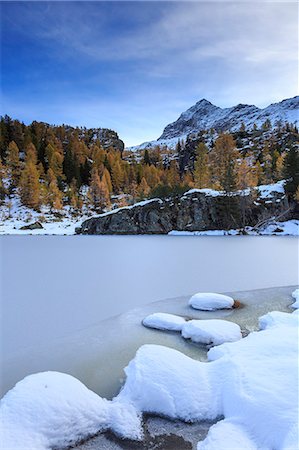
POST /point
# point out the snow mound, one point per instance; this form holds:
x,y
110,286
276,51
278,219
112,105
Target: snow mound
x,y
214,331
208,301
164,381
277,318
295,295
164,321
52,409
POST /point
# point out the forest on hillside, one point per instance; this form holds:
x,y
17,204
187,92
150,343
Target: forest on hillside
x,y
61,166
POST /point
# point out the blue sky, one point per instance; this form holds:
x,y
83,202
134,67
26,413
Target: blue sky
x,y
135,66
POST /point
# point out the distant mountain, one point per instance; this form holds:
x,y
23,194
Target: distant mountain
x,y
204,115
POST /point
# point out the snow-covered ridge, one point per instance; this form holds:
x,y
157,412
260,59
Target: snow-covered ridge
x,y
204,116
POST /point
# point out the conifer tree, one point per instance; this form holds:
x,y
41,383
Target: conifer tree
x,y
2,187
201,167
29,185
98,191
13,163
143,189
54,194
223,159
291,170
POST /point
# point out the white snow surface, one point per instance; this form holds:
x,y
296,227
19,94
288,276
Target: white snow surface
x,y
209,301
274,228
164,321
277,318
252,383
52,409
213,331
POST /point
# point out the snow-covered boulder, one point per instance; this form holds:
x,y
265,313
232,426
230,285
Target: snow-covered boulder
x,y
54,410
164,321
295,295
209,301
212,331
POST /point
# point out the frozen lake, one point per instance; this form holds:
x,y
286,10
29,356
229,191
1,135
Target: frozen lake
x,y
59,296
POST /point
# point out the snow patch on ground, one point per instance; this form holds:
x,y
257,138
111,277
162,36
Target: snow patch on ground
x,y
213,331
209,301
274,228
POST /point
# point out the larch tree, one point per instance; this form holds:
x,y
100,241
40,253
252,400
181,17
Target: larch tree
x,y
223,159
98,191
201,167
143,189
29,185
54,194
13,163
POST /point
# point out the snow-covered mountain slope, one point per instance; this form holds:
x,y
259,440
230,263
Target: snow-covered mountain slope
x,y
204,115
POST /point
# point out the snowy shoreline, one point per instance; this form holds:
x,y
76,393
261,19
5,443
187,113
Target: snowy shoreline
x,y
67,227
261,411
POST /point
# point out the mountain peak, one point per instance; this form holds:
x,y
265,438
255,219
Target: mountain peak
x,y
204,115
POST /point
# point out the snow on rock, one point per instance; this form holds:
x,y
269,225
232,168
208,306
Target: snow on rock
x,y
209,301
295,295
164,381
52,409
251,382
226,435
164,321
267,190
277,318
213,331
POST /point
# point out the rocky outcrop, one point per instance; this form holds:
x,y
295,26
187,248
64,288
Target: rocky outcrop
x,y
197,210
109,139
33,226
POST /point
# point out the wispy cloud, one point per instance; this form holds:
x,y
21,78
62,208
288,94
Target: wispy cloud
x,y
139,64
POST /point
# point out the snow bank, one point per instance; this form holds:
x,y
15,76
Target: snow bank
x,y
164,381
251,382
52,409
208,301
214,331
295,295
164,321
277,318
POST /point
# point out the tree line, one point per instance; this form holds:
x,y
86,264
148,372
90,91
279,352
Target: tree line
x,y
61,166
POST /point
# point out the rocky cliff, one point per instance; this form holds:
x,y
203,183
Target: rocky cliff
x,y
196,210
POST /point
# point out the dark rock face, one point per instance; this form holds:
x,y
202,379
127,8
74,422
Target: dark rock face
x,y
32,226
109,139
194,211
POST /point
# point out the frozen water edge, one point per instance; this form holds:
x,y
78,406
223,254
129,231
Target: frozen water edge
x,y
225,351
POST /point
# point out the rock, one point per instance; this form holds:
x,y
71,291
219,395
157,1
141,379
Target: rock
x,y
33,226
196,210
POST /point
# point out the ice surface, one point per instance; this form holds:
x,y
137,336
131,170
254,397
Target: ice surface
x,y
211,331
164,321
208,301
